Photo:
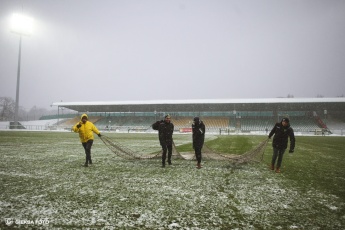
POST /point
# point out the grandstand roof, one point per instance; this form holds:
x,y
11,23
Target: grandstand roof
x,y
256,104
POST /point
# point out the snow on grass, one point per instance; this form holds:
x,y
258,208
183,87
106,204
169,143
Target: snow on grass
x,y
43,178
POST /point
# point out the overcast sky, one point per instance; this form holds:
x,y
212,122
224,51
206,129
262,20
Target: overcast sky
x,y
119,50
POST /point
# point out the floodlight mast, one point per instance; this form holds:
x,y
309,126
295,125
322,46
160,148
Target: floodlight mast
x,y
18,83
21,25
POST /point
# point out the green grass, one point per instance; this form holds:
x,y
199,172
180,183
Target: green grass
x,y
42,178
318,163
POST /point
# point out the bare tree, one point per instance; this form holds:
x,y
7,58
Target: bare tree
x,y
7,106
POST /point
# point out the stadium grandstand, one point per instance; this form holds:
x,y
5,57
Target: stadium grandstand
x,y
222,116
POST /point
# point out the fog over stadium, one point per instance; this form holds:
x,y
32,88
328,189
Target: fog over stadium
x,y
118,50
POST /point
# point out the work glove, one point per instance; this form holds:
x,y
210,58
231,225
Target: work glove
x,y
291,150
78,126
99,135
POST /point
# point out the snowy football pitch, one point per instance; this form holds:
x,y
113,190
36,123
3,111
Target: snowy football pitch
x,y
43,185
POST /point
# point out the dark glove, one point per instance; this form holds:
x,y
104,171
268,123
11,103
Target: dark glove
x,y
78,126
291,150
99,135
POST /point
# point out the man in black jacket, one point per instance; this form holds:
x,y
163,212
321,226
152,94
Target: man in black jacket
x,y
198,129
165,131
281,131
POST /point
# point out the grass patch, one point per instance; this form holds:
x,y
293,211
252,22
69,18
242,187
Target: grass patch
x,y
42,178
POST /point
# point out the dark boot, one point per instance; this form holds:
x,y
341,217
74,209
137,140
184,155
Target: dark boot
x,y
169,158
198,165
272,166
86,161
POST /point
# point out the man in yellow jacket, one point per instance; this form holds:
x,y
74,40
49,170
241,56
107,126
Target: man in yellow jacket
x,y
86,129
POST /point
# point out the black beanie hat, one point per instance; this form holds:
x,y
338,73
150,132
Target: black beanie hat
x,y
286,120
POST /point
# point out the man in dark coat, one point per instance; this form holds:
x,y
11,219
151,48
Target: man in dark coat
x,y
281,131
198,129
165,131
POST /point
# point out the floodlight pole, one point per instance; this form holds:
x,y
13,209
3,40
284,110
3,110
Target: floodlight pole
x,y
21,25
18,84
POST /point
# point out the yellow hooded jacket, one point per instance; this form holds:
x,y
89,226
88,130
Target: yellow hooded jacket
x,y
86,130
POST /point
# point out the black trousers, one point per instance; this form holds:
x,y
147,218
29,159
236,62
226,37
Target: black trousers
x,y
198,154
166,148
278,153
87,147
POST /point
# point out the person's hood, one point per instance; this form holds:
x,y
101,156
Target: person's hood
x,y
84,115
